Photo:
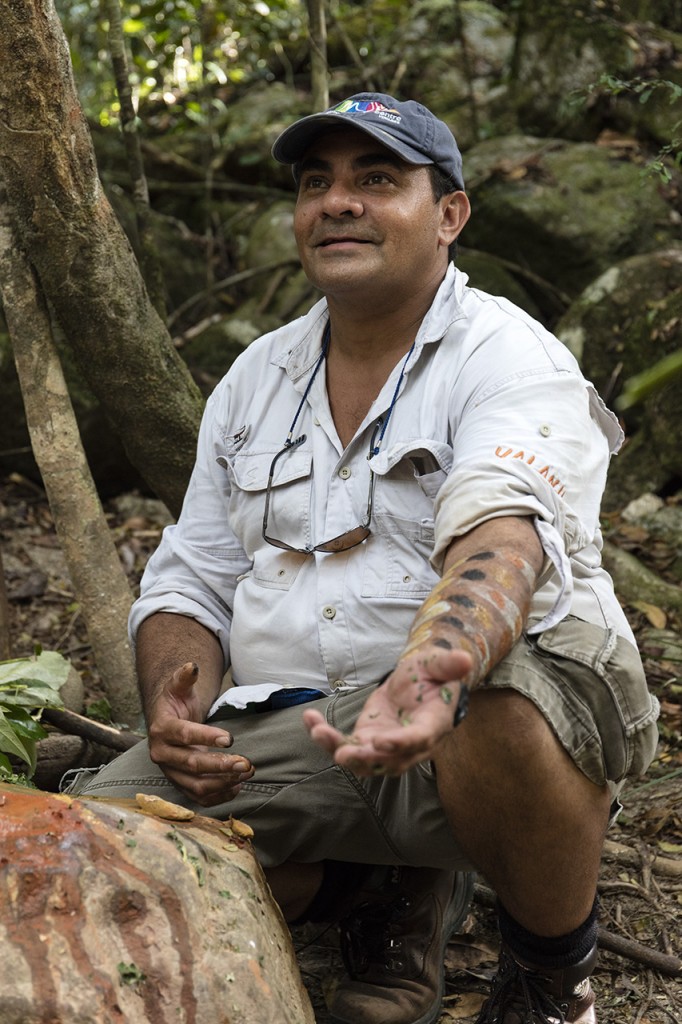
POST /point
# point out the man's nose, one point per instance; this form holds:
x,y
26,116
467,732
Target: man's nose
x,y
342,200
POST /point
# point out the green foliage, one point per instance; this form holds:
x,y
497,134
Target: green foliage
x,y
178,48
99,710
643,89
651,380
27,685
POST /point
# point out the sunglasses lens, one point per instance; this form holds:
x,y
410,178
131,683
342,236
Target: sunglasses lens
x,y
346,540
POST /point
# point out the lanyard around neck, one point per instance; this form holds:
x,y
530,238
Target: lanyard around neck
x,y
381,424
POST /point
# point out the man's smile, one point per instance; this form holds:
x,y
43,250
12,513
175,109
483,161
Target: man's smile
x,y
335,240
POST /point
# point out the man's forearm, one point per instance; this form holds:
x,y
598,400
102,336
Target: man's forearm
x,y
482,601
164,643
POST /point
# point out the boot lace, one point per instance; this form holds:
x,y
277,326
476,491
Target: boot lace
x,y
371,936
521,992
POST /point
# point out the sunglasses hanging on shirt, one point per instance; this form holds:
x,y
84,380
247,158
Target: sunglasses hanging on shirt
x,y
351,538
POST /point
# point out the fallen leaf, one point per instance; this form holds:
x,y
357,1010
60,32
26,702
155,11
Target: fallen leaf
x,y
614,140
467,1005
463,955
655,615
163,808
670,848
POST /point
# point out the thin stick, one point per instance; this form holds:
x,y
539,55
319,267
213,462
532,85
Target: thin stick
x,y
631,950
78,725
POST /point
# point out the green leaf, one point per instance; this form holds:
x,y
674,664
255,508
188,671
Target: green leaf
x,y
48,667
651,380
99,710
27,685
25,726
30,695
10,743
130,974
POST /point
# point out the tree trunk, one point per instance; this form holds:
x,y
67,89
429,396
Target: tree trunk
x,y
5,634
149,258
110,914
319,72
87,270
97,575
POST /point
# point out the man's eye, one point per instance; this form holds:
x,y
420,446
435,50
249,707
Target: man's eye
x,y
314,182
377,178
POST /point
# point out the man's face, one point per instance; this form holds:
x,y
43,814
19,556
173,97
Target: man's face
x,y
366,221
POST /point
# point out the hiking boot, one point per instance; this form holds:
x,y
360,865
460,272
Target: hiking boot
x,y
393,945
523,994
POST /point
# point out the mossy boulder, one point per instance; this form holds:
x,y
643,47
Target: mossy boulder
x,y
567,210
623,323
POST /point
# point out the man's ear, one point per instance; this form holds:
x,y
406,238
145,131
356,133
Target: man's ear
x,y
455,211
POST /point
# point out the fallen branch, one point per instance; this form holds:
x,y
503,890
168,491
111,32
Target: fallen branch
x,y
78,725
631,950
629,858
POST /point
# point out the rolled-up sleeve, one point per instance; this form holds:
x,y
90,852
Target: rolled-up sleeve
x,y
536,443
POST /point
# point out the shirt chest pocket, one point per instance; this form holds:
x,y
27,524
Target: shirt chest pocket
x,y
408,478
288,502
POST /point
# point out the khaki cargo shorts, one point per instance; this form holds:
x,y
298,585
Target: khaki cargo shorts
x,y
587,682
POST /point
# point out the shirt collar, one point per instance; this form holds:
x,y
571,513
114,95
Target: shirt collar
x,y
302,339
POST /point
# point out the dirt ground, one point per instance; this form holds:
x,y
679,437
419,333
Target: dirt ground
x,y
641,881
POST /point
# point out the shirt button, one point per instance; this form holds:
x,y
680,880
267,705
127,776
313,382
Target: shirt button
x,y
329,611
316,422
545,430
344,473
406,579
337,684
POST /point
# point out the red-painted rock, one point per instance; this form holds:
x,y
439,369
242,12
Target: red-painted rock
x,y
110,914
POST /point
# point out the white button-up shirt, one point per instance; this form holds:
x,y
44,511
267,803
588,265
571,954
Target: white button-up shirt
x,y
492,418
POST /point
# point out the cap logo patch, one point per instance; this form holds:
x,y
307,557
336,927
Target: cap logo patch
x,y
368,107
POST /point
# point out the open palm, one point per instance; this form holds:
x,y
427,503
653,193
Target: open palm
x,y
403,720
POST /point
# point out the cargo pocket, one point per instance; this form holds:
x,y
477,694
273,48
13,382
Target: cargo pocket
x,y
604,684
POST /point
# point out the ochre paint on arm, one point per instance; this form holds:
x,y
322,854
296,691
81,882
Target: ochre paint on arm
x,y
482,601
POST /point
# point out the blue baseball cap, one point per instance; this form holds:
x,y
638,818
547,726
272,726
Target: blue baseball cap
x,y
408,129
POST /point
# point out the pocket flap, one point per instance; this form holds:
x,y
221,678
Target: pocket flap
x,y
252,469
426,454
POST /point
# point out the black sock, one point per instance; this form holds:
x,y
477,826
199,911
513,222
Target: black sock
x,y
550,952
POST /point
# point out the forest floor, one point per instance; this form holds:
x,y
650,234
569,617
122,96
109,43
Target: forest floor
x,y
641,879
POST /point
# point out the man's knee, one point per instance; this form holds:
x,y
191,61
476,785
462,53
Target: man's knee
x,y
502,728
506,752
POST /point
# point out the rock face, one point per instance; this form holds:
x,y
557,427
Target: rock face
x,y
623,323
109,915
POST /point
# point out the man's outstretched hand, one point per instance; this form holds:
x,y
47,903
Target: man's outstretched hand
x,y
190,754
403,720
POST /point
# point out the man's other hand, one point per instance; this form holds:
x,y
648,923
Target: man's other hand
x,y
191,755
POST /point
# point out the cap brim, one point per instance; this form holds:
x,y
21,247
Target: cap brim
x,y
295,141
